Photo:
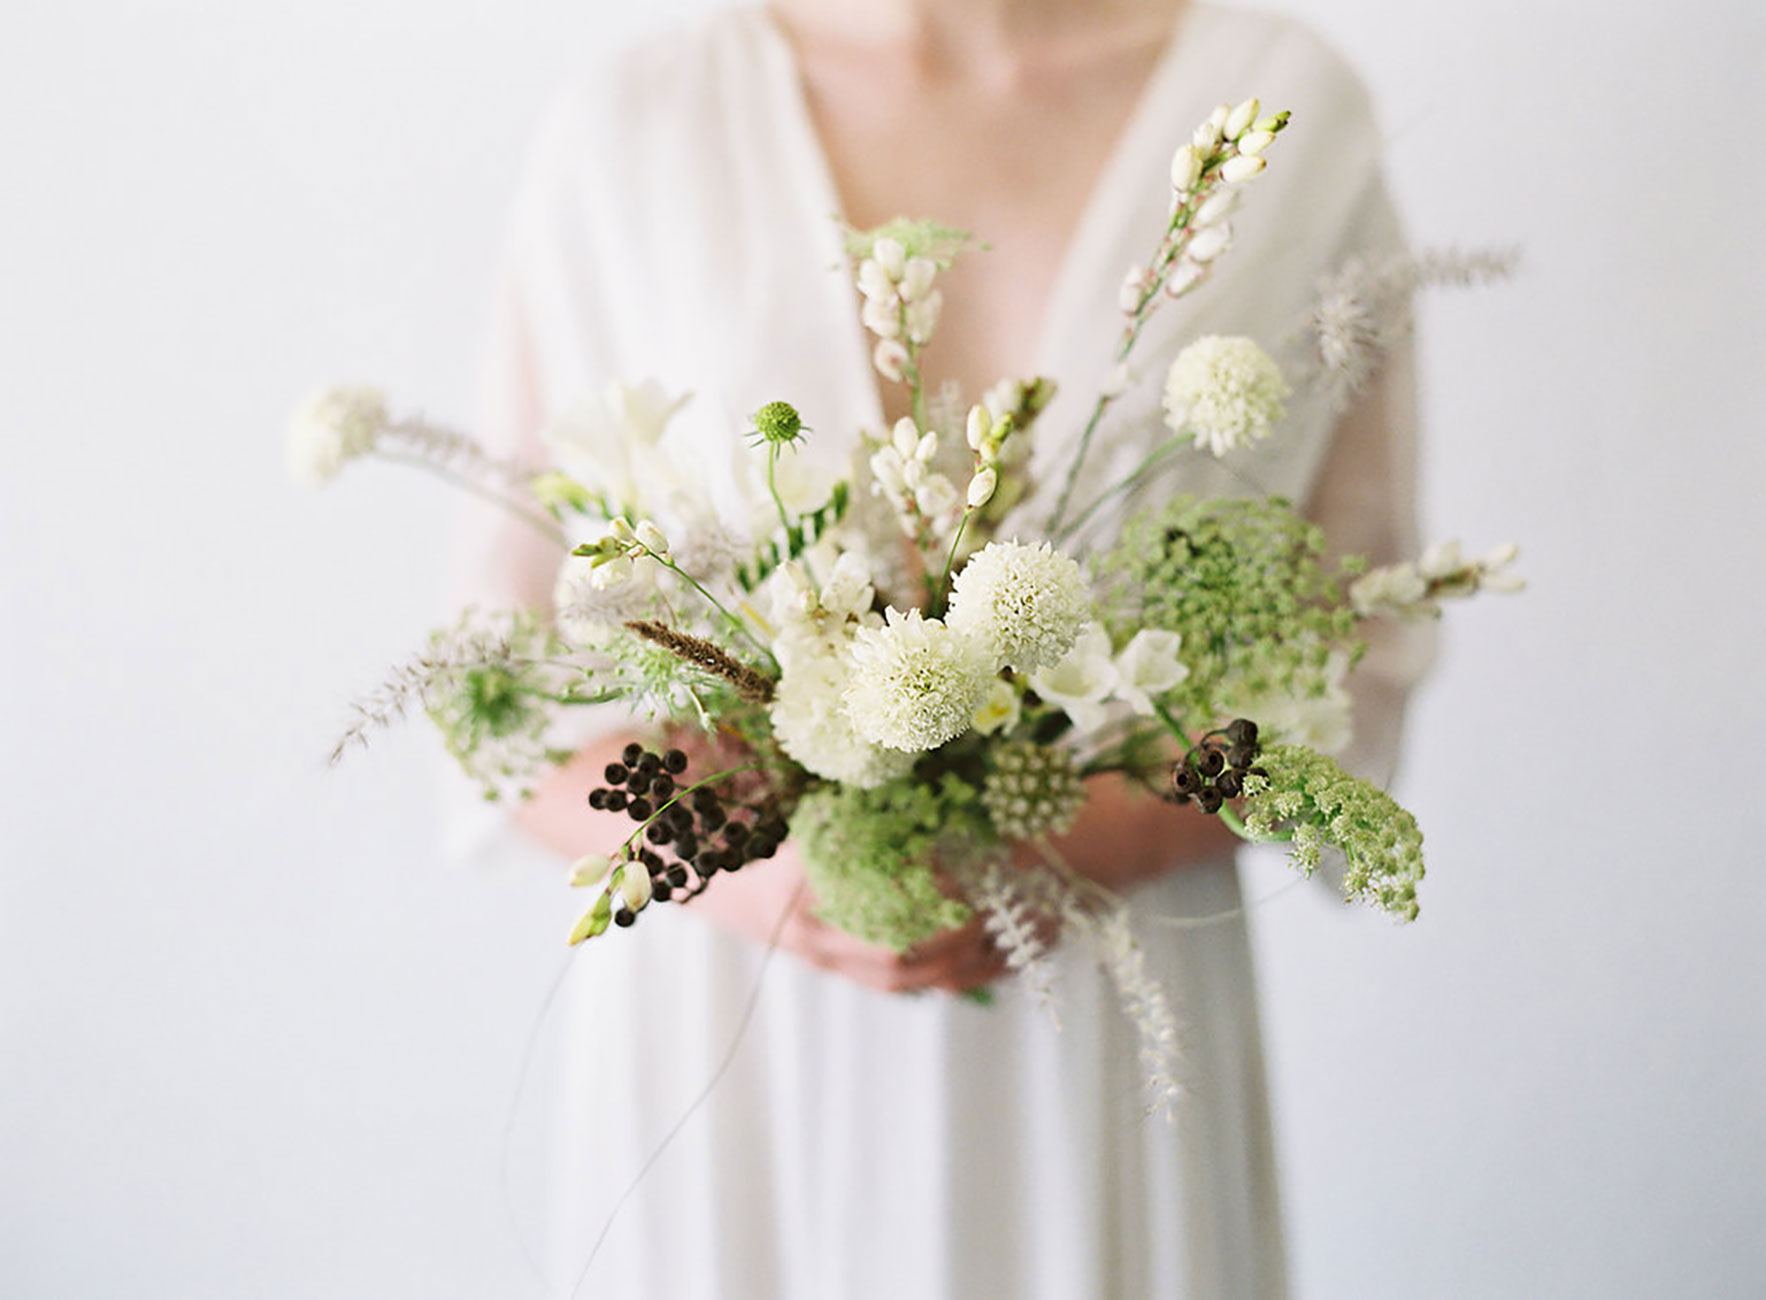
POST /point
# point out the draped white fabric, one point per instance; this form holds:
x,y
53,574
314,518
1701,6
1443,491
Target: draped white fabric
x,y
678,223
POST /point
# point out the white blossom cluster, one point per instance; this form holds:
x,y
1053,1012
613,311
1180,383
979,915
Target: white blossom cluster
x,y
901,304
332,428
1226,391
1412,591
925,501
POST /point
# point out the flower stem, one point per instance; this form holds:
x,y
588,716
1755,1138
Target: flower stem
x,y
532,518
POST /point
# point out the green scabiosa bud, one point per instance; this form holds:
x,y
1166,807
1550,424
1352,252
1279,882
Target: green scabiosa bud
x,y
778,423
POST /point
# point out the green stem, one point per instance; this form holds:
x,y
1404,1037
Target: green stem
x,y
943,597
1125,485
1171,725
735,623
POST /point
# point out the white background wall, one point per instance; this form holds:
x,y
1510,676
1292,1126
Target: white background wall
x,y
257,1041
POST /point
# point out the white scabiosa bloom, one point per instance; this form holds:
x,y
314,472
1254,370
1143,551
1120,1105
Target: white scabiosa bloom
x,y
1148,667
333,428
1025,603
811,725
916,683
1226,391
1082,680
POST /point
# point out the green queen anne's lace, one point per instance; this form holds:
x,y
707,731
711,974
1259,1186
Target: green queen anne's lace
x,y
868,854
1310,797
1244,582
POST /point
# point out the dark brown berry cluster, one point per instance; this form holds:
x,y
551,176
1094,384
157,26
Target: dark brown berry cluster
x,y
1215,770
689,835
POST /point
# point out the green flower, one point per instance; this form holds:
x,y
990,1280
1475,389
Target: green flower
x,y
779,424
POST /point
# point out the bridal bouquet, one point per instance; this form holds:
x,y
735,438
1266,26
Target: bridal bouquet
x,y
912,670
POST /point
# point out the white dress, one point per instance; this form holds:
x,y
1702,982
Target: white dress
x,y
677,223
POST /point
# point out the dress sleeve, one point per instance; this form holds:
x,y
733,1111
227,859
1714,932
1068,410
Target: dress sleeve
x,y
1365,498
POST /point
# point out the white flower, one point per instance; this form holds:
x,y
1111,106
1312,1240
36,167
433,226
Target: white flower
x,y
1224,390
891,358
882,318
982,487
1025,603
1218,208
1243,168
651,538
634,886
1210,243
848,592
875,284
1318,720
1240,118
1148,667
936,495
812,726
1394,590
1186,168
917,277
608,442
891,256
916,683
1000,710
922,317
1082,680
333,428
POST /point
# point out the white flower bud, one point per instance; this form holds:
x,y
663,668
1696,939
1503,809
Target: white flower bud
x,y
905,437
1240,118
886,469
1003,399
1185,277
1134,284
621,529
1217,119
1186,168
891,256
1207,137
1218,208
890,358
1255,142
1441,560
1501,557
914,474
922,317
874,282
1210,243
1117,381
1242,168
634,886
651,538
928,446
590,870
981,488
883,320
917,277
979,427
937,496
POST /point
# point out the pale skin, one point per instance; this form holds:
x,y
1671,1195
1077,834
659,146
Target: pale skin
x,y
994,116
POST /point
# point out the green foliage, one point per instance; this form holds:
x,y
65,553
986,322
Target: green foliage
x,y
802,533
928,239
1244,583
489,692
1312,798
867,854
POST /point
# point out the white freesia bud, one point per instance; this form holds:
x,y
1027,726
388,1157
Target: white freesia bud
x,y
590,870
1210,243
917,277
927,447
1186,168
874,282
1185,277
1243,168
922,317
978,428
905,437
890,358
1240,118
634,886
882,319
981,488
891,256
1217,208
651,538
1255,142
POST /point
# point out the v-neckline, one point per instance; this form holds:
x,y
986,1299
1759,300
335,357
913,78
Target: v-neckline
x,y
1077,267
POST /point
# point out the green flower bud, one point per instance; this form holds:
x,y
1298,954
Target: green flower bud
x,y
778,422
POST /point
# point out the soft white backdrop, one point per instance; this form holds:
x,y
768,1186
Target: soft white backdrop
x,y
260,1041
